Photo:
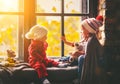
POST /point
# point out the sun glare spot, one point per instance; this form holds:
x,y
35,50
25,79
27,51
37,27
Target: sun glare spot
x,y
8,5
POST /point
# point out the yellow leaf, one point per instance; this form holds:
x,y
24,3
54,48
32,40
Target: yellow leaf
x,y
73,11
54,9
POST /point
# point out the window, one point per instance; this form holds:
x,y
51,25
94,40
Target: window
x,y
59,16
11,26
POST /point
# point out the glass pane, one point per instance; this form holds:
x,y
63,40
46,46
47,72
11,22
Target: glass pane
x,y
72,31
76,6
9,33
48,6
54,42
11,5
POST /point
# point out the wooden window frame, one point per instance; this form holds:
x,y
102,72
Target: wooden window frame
x,y
30,18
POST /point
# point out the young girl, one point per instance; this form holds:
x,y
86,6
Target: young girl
x,y
89,60
37,52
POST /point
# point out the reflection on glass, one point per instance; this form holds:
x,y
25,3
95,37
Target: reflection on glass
x,y
53,24
48,6
72,31
8,33
11,5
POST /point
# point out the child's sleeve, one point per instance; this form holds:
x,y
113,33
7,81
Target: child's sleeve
x,y
33,51
51,62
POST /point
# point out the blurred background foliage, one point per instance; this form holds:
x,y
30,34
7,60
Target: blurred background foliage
x,y
8,33
71,31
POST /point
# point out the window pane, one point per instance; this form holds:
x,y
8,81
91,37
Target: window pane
x,y
48,6
11,5
72,31
54,42
76,6
9,33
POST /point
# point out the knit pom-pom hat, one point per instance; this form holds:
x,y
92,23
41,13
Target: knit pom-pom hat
x,y
92,24
36,32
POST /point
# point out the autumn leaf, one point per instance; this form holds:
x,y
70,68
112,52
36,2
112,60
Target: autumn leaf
x,y
54,9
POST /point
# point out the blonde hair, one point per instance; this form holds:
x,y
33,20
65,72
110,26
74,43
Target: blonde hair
x,y
36,32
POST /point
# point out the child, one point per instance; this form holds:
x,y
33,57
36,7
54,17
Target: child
x,y
90,29
92,70
37,52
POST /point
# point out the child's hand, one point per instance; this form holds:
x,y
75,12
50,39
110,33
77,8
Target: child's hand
x,y
63,38
76,54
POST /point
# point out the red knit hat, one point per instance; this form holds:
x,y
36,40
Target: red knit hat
x,y
92,24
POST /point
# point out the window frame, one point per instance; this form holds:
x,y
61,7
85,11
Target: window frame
x,y
30,14
20,40
30,18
